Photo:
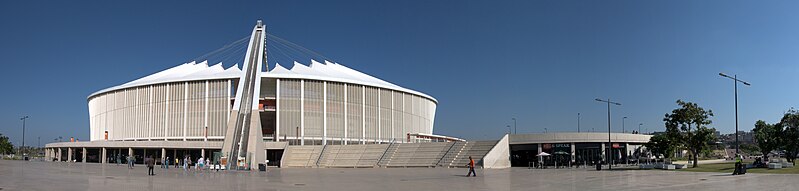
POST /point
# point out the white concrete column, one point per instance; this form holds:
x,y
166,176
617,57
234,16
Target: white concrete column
x,y
83,158
205,114
627,153
379,121
59,154
572,152
324,113
603,152
363,114
104,158
277,111
202,153
345,115
185,109
69,154
163,154
539,149
166,119
302,112
130,151
166,113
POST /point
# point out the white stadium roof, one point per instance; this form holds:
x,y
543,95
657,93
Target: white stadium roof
x,y
327,71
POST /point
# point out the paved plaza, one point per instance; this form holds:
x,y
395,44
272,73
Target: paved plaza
x,y
19,175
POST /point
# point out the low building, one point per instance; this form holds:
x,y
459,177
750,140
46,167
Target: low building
x,y
574,148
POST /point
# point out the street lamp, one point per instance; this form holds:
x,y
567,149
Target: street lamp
x,y
578,122
509,131
735,81
610,144
23,133
515,131
622,124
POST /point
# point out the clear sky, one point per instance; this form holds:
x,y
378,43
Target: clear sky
x,y
486,62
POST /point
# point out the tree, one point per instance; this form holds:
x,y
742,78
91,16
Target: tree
x,y
767,137
661,144
790,134
687,126
5,146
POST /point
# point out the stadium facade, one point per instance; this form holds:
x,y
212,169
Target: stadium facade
x,y
320,115
316,104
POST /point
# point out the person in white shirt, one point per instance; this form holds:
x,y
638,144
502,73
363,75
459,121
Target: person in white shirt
x,y
200,163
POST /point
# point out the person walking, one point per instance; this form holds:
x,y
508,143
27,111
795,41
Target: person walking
x,y
177,162
119,159
150,162
200,163
186,163
130,162
166,163
471,167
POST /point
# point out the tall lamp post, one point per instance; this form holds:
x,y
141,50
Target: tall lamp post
x,y
735,81
515,131
23,133
610,144
622,124
509,130
639,127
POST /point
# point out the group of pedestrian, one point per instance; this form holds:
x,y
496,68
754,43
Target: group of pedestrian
x,y
186,163
165,163
131,161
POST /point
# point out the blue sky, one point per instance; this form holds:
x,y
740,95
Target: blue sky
x,y
486,62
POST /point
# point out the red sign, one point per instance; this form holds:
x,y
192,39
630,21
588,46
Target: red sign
x,y
616,145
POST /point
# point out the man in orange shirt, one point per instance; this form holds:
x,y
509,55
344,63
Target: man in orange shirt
x,y
471,167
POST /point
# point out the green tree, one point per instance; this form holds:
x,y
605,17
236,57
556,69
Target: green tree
x,y
5,146
687,126
661,144
790,134
767,136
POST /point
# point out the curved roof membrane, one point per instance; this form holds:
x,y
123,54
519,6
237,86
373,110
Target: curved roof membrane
x,y
327,71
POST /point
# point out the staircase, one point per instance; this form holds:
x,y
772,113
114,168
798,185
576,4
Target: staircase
x,y
453,152
475,149
302,156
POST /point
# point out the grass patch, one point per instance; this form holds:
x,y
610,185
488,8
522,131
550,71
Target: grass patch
x,y
730,166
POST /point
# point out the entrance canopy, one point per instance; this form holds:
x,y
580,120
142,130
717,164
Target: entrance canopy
x,y
543,154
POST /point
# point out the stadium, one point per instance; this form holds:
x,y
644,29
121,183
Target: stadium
x,y
315,114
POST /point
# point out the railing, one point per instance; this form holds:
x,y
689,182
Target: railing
x,y
386,152
322,153
446,153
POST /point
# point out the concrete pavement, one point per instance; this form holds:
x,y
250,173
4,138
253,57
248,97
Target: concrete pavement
x,y
21,175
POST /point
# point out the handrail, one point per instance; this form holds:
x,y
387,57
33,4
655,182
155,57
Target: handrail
x,y
320,155
459,153
386,151
445,154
